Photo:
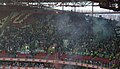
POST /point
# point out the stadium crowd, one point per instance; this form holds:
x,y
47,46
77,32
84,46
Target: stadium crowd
x,y
27,64
50,31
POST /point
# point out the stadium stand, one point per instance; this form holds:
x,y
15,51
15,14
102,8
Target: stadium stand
x,y
90,39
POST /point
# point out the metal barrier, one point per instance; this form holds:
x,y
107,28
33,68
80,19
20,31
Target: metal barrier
x,y
51,61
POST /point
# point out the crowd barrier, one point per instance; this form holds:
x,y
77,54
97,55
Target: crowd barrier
x,y
52,61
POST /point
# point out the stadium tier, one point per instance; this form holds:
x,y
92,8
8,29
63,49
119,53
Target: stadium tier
x,y
53,39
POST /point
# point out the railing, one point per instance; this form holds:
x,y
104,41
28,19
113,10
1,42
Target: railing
x,y
86,61
53,61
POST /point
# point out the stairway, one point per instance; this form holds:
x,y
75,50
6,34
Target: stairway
x,y
5,23
20,18
2,21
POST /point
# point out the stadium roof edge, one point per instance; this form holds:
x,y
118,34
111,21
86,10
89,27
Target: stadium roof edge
x,y
52,0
